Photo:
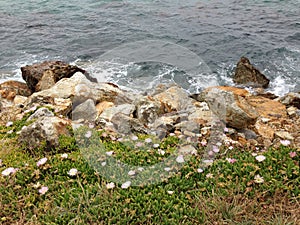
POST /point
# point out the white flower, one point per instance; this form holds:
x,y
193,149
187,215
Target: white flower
x,y
208,162
161,152
180,159
216,149
73,172
260,158
110,153
230,147
285,142
167,169
171,134
148,140
170,192
231,160
155,145
258,179
140,169
9,123
88,134
64,156
41,161
134,138
103,164
37,185
126,185
199,170
226,129
43,190
211,153
9,171
131,173
110,185
209,175
254,154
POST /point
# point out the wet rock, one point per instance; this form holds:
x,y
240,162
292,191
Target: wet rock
x,y
247,74
230,107
86,111
10,89
45,131
47,71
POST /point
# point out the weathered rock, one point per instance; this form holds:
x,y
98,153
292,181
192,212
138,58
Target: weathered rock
x,y
174,99
19,100
124,124
267,108
284,135
41,112
79,89
291,99
86,111
264,130
48,70
10,89
47,81
247,74
44,131
147,110
230,107
100,107
109,113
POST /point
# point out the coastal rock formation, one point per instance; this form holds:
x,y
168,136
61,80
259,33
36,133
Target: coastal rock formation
x,y
252,120
247,74
41,76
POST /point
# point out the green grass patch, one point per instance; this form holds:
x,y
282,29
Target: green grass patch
x,y
224,193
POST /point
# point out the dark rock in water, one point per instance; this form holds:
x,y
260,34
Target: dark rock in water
x,y
38,75
247,74
10,89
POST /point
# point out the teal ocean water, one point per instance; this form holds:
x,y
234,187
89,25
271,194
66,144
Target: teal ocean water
x,y
217,31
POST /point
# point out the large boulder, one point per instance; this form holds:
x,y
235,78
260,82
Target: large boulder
x,y
86,111
79,89
247,74
41,76
174,99
230,107
44,131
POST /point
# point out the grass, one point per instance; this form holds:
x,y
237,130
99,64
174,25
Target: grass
x,y
224,193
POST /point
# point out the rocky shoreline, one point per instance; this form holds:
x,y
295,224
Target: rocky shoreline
x,y
59,95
